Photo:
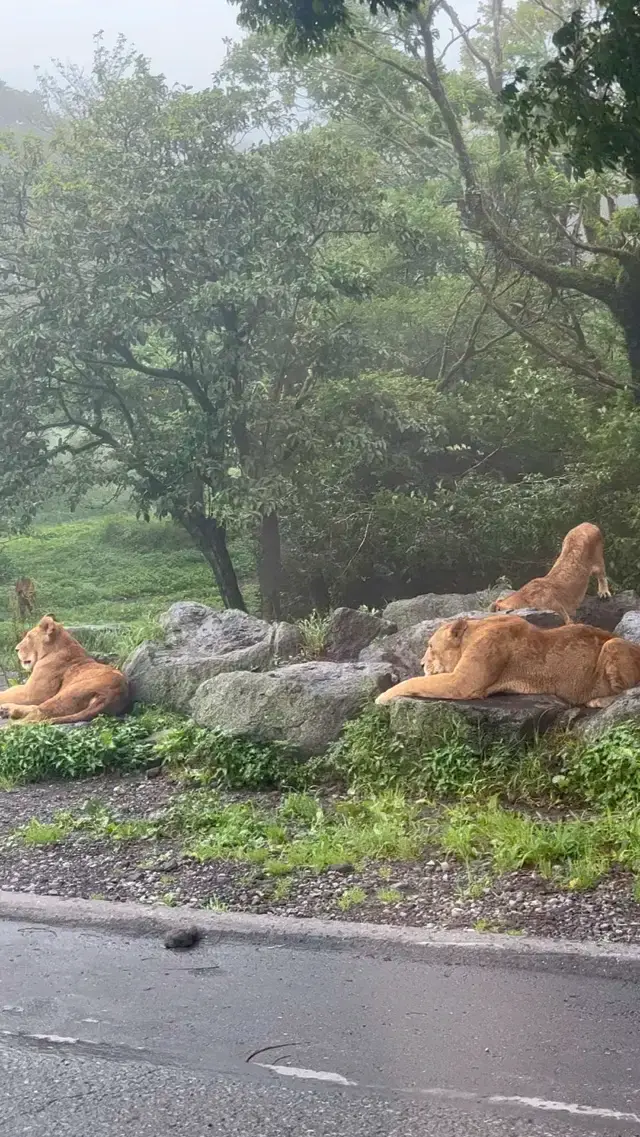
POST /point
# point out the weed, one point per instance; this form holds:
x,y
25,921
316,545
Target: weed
x,y
351,898
483,925
314,630
169,898
389,895
214,904
43,833
444,757
604,772
282,889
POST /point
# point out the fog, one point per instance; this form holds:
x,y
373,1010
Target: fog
x,y
183,38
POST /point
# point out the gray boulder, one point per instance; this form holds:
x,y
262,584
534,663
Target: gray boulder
x,y
626,708
304,704
404,650
506,717
349,631
607,614
433,606
201,643
629,627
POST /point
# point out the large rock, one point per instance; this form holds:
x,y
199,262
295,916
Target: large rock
x,y
304,704
626,708
506,717
433,606
201,643
404,650
607,614
350,630
629,627
599,613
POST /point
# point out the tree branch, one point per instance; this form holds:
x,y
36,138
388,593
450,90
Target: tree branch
x,y
602,378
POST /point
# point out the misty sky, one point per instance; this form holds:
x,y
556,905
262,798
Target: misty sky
x,y
183,38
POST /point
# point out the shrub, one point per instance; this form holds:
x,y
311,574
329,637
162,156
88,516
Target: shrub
x,y
448,759
34,753
604,772
212,757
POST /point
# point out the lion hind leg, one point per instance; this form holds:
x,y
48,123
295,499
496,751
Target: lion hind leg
x,y
68,709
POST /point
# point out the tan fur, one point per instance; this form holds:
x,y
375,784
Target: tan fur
x,y
564,587
65,684
470,659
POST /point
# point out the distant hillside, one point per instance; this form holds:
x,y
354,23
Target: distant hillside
x,y
21,110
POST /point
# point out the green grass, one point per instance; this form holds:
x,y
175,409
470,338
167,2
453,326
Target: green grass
x,y
389,895
107,570
577,851
299,833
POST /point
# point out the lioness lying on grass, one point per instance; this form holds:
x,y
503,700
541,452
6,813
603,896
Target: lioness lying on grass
x,y
470,659
65,684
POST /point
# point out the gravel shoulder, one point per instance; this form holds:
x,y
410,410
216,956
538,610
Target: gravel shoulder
x,y
429,893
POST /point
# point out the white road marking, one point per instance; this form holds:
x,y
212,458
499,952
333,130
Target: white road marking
x,y
541,1104
566,1107
300,1072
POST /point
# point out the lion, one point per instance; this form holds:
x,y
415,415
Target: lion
x,y
65,684
564,587
471,659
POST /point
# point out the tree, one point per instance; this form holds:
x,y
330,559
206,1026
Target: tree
x,y
586,99
168,300
599,261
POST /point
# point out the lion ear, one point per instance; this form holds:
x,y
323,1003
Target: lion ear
x,y
48,626
494,606
458,627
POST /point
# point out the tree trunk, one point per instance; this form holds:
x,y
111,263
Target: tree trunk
x,y
270,566
211,539
319,593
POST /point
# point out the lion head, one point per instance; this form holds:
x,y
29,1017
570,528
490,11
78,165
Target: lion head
x,y
38,642
445,648
503,604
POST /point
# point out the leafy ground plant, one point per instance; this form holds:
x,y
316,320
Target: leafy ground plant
x,y
35,753
212,758
447,759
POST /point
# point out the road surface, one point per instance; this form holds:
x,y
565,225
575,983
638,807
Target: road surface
x,y
108,1035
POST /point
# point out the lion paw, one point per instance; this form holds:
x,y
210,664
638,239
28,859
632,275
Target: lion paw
x,y
604,594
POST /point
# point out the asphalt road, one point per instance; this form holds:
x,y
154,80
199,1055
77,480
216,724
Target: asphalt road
x,y
112,1035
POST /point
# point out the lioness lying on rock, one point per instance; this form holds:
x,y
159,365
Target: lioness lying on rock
x,y
470,659
65,684
564,587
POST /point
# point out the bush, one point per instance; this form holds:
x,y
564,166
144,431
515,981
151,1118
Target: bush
x,y
605,772
451,759
34,753
214,758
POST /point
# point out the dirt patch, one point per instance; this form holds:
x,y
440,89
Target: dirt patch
x,y
430,893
